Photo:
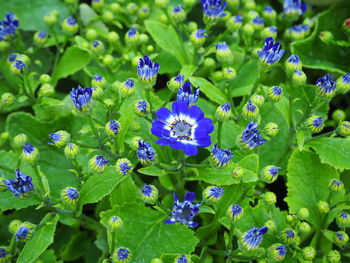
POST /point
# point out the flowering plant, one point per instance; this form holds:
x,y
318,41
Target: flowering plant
x,y
170,131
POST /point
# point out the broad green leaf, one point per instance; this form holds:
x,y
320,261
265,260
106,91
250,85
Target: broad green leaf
x,y
31,13
99,185
87,15
125,120
165,67
307,184
75,247
333,151
146,235
247,75
124,193
40,241
209,90
316,54
73,60
167,38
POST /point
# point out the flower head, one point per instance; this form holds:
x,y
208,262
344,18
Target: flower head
x,y
123,166
24,232
213,9
112,127
121,255
59,138
19,186
98,163
184,212
234,212
183,128
271,52
147,70
132,36
198,37
70,195
71,150
315,123
213,193
185,94
326,85
220,157
81,98
8,26
251,136
145,153
30,153
251,239
277,252
336,185
149,193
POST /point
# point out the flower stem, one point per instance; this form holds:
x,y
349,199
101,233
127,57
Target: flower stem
x,y
112,242
39,179
219,133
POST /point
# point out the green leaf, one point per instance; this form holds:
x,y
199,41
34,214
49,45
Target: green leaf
x,y
316,54
40,241
127,116
209,90
146,235
73,60
124,193
152,171
247,75
33,19
307,184
87,14
99,185
167,38
333,151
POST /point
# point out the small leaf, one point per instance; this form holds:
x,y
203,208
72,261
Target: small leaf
x,y
300,139
209,90
151,170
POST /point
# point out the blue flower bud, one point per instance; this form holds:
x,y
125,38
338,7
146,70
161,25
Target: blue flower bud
x,y
112,128
183,259
24,232
178,13
234,212
115,223
277,252
258,23
70,26
131,8
198,37
149,193
123,166
176,82
298,32
19,186
142,108
290,237
275,93
293,63
271,53
70,195
7,99
298,78
315,123
59,138
98,163
213,193
144,12
293,8
81,98
145,153
18,67
269,32
336,185
71,150
340,238
5,255
343,83
147,70
234,23
40,38
8,26
121,255
250,110
251,239
269,14
250,137
213,10
30,153
223,53
127,88
220,158
132,37
229,73
97,4
270,173
223,112
98,81
343,220
326,86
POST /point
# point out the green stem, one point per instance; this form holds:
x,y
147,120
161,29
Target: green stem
x,y
6,169
219,133
319,136
112,242
38,178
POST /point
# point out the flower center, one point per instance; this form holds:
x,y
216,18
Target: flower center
x,y
181,130
186,212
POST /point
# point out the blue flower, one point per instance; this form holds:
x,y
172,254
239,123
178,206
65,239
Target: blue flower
x,y
213,9
184,128
21,185
294,7
123,166
145,153
326,85
112,127
220,157
252,239
8,26
81,97
271,52
185,94
270,173
147,70
184,212
251,136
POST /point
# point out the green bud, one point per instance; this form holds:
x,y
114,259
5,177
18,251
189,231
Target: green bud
x,y
14,226
144,38
270,198
258,100
334,256
248,30
46,90
291,219
149,48
271,129
115,223
308,253
323,207
250,111
44,78
336,186
340,238
135,142
50,19
344,128
290,237
19,140
237,172
4,45
163,18
4,135
304,228
298,78
229,73
269,173
131,8
152,197
343,220
326,37
162,3
338,115
209,63
303,213
91,34
115,7
109,103
249,5
144,12
97,4
7,99
217,76
71,151
274,252
108,60
271,225
113,37
157,260
192,26
234,23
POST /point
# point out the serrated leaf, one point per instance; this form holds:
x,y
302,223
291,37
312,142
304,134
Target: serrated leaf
x,y
73,60
307,184
333,151
209,90
41,239
124,193
98,186
146,235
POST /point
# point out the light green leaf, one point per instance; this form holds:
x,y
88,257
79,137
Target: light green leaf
x,y
73,60
40,241
167,39
99,185
209,90
124,193
247,75
146,235
151,170
307,184
333,151
87,14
